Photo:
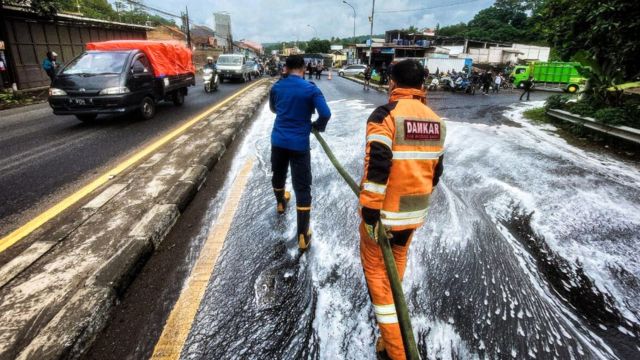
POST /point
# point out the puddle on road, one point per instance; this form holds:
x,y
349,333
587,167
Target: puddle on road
x,y
474,283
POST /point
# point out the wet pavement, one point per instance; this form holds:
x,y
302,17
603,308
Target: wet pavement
x,y
44,156
531,249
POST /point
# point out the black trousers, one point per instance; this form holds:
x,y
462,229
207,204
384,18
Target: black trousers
x,y
300,162
525,91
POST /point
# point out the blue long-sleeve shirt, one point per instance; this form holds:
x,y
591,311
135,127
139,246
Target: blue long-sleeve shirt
x,y
293,100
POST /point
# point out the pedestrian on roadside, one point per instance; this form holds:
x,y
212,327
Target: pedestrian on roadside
x,y
319,67
486,82
527,85
294,100
383,73
497,83
310,68
367,78
395,189
50,65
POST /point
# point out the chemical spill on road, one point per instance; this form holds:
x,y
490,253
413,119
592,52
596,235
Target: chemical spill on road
x,y
530,250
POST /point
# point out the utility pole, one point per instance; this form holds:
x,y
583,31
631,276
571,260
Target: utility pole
x,y
373,8
188,27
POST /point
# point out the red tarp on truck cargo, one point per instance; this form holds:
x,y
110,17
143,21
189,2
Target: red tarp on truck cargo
x,y
166,58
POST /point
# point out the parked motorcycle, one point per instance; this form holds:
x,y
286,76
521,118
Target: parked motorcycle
x,y
434,84
462,83
211,80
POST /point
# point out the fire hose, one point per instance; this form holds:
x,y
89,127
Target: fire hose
x,y
400,303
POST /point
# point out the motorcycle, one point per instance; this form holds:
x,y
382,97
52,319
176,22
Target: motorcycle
x,y
462,83
434,84
211,80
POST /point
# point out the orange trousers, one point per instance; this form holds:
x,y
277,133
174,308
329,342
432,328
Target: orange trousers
x,y
380,290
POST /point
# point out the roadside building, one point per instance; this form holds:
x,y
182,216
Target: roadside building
x,y
167,33
203,37
27,37
253,46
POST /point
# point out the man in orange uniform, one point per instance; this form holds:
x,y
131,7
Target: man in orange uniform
x,y
403,164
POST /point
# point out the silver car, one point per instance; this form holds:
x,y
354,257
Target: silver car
x,y
352,70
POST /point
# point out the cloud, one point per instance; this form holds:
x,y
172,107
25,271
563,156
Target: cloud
x,y
287,20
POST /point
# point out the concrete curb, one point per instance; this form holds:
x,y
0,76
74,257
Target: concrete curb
x,y
379,88
67,324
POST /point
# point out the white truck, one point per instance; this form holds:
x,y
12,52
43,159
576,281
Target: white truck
x,y
234,66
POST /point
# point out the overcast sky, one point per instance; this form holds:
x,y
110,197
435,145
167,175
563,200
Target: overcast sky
x,y
286,20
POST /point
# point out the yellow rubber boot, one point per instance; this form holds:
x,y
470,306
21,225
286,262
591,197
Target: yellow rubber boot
x,y
304,231
282,198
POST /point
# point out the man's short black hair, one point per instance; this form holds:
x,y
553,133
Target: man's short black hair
x,y
408,73
295,62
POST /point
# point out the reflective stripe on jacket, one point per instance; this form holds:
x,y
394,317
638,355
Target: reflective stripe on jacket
x,y
404,159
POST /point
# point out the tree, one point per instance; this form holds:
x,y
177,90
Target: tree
x,y
607,29
411,29
318,46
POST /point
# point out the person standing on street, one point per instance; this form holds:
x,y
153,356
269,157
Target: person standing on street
x,y
50,65
403,163
318,70
526,87
497,83
310,68
486,82
367,78
294,100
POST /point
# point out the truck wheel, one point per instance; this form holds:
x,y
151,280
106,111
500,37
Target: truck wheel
x,y
178,97
147,108
572,89
87,118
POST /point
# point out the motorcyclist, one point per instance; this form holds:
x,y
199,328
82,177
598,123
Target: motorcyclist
x,y
211,65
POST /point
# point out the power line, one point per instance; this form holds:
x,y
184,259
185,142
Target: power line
x,y
429,8
139,3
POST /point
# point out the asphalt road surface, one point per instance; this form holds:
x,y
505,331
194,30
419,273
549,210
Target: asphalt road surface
x,y
43,156
530,250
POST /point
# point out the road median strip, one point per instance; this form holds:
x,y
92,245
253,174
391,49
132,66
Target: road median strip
x,y
56,296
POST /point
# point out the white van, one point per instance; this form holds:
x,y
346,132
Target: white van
x,y
233,66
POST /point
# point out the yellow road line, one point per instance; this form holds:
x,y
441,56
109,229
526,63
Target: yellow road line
x,y
55,210
178,325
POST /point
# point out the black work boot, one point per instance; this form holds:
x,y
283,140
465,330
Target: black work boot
x,y
282,198
381,352
304,231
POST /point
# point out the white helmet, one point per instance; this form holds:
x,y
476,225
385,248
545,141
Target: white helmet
x,y
209,58
53,53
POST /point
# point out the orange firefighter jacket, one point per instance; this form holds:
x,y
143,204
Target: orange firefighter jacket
x,y
404,159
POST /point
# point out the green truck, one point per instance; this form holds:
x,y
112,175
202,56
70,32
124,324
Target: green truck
x,y
565,75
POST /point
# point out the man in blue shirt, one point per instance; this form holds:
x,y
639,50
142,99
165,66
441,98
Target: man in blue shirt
x,y
294,101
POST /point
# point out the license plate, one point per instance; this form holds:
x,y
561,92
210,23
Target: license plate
x,y
78,101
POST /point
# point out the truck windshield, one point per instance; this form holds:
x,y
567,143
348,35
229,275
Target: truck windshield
x,y
94,63
230,60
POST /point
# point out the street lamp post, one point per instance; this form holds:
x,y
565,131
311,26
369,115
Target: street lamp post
x,y
354,19
373,8
354,23
314,30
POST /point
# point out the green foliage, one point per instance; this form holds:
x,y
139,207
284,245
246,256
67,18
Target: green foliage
x,y
607,29
582,108
453,30
611,116
536,114
600,77
317,46
506,20
556,102
95,9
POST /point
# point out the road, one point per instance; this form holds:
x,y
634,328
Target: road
x,y
530,250
43,156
